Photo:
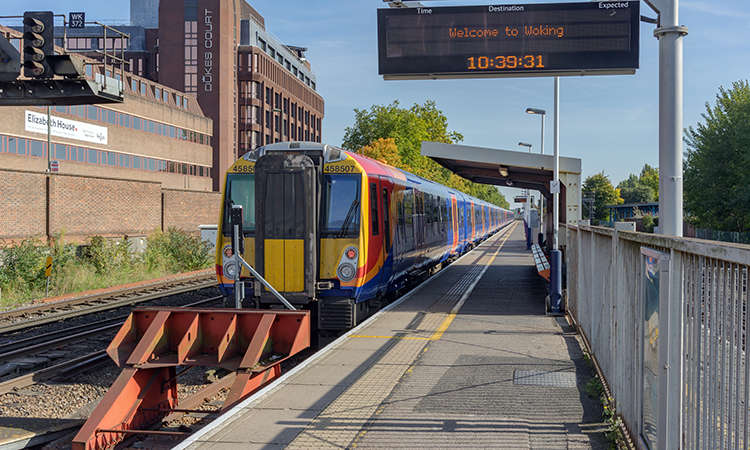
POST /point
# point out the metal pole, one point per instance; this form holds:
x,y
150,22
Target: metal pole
x,y
49,141
555,285
239,287
670,119
670,33
556,164
529,239
543,116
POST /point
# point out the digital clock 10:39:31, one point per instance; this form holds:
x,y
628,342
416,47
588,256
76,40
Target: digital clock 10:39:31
x,y
506,62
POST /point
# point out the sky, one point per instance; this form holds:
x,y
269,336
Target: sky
x,y
609,122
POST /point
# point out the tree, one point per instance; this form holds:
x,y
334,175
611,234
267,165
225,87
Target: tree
x,y
394,135
384,150
604,194
650,177
632,190
717,163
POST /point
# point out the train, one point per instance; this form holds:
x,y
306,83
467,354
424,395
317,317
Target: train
x,y
339,233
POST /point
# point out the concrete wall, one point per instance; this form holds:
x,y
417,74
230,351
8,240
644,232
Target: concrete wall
x,y
82,206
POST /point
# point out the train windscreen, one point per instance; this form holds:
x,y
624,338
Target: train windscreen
x,y
341,200
240,191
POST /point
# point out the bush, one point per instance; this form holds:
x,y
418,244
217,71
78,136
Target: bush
x,y
178,250
648,223
103,263
23,265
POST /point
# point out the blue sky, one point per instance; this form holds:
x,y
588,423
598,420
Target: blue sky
x,y
609,122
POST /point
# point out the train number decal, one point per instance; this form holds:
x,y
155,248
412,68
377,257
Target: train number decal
x,y
244,168
339,168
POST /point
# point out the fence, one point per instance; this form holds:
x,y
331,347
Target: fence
x,y
703,376
724,236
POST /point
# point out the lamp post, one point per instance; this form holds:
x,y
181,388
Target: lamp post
x,y
542,113
527,209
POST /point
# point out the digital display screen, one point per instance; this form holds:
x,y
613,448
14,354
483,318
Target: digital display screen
x,y
509,40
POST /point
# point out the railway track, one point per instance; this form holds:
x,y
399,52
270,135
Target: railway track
x,y
45,313
59,354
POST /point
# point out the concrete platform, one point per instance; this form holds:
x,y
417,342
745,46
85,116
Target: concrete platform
x,y
469,360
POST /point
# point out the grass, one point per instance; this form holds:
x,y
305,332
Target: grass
x,y
103,264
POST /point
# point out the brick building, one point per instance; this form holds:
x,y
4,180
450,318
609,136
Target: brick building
x,y
206,86
256,89
118,164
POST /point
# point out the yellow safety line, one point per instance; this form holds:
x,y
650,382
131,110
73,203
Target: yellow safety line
x,y
444,326
446,323
391,337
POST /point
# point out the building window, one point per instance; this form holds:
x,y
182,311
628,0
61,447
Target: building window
x,y
166,97
157,93
191,54
134,85
79,43
143,88
262,44
178,100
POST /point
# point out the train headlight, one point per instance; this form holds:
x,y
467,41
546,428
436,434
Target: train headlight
x,y
346,272
230,270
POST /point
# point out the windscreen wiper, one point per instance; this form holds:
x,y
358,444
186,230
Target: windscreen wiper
x,y
349,218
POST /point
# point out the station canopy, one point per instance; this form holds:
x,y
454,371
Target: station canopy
x,y
516,169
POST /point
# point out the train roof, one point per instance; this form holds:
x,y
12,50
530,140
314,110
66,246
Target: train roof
x,y
329,152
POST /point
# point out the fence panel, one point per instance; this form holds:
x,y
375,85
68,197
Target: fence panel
x,y
604,273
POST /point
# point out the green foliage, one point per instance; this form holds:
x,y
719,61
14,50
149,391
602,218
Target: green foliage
x,y
614,423
648,223
633,191
650,177
109,256
604,194
394,135
23,265
104,263
179,250
594,387
717,163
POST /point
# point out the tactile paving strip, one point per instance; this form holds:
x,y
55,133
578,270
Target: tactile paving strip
x,y
552,379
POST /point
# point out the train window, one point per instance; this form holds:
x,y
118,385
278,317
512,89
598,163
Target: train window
x,y
374,209
428,208
240,191
409,214
341,197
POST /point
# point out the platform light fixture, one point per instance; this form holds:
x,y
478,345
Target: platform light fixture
x,y
542,113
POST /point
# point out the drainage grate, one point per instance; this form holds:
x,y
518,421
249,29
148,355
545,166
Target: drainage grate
x,y
554,379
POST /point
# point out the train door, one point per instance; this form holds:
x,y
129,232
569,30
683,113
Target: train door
x,y
389,235
286,244
375,247
454,222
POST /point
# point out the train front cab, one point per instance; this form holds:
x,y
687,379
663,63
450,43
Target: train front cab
x,y
309,230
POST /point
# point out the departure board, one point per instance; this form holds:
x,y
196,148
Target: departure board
x,y
592,38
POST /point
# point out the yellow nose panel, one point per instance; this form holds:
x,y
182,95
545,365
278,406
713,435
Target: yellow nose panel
x,y
285,264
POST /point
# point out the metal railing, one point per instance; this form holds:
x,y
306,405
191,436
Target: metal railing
x,y
704,376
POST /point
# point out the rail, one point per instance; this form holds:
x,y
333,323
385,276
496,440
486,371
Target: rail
x,y
703,374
